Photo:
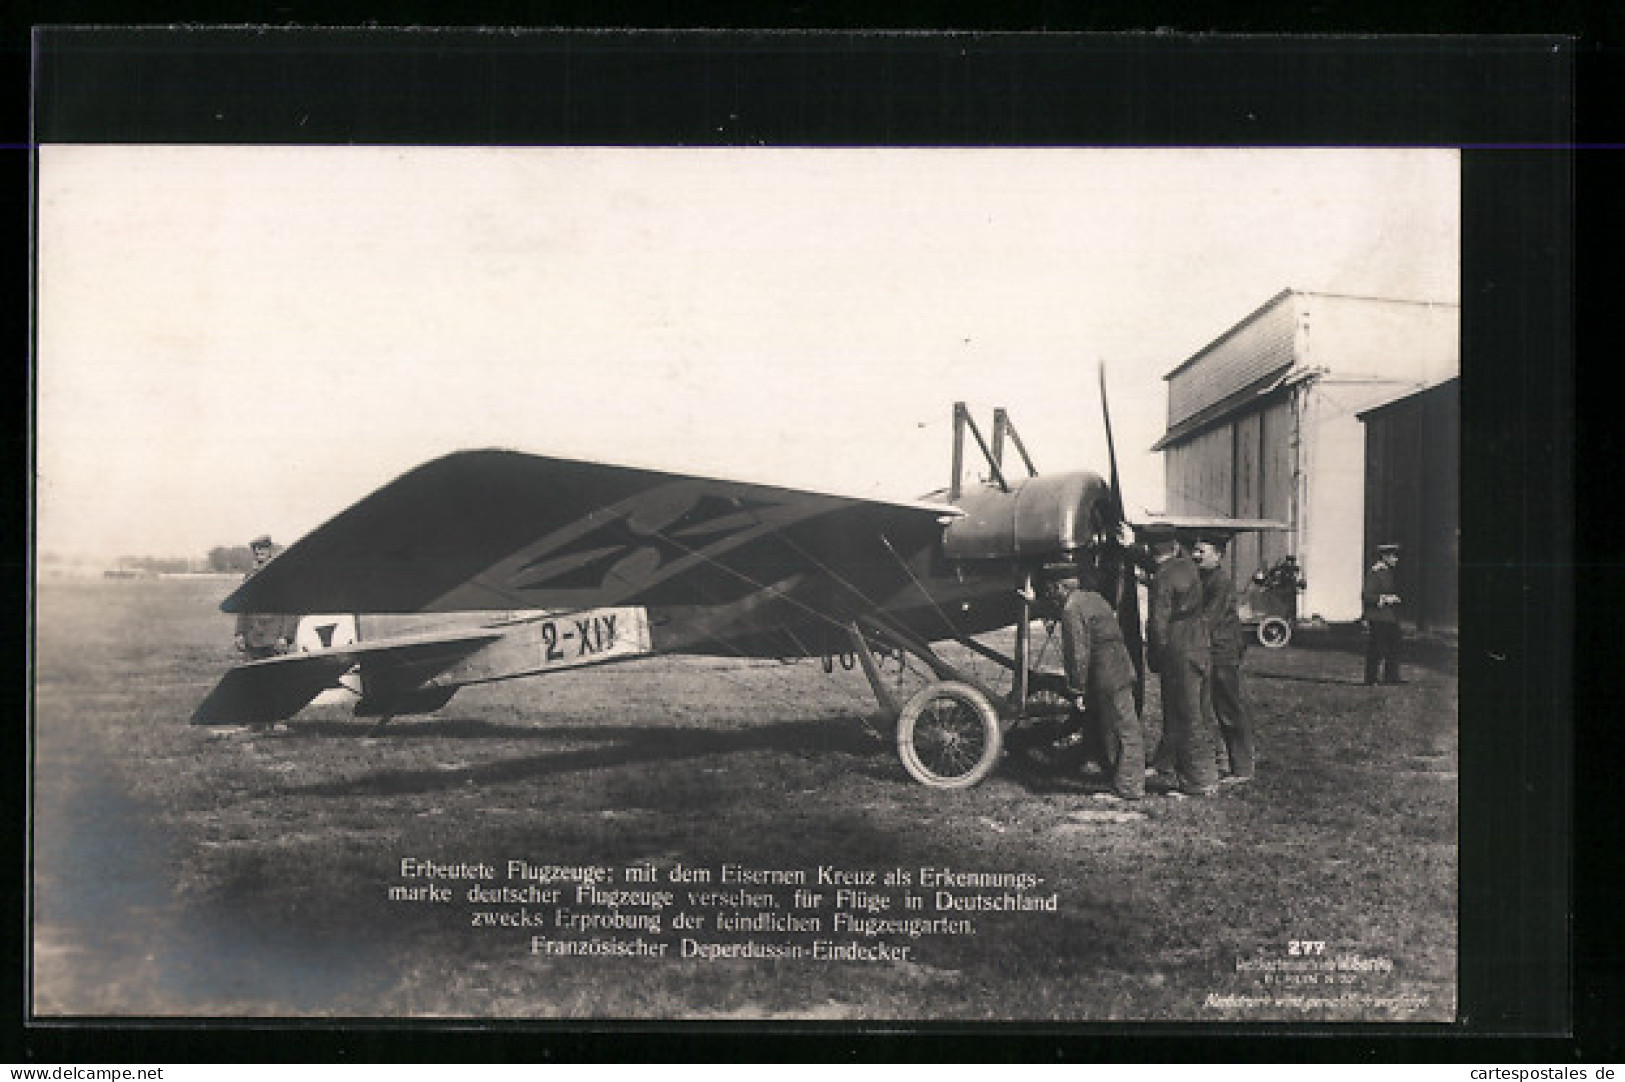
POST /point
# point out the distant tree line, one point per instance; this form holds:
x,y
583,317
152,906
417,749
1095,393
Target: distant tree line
x,y
220,560
230,558
157,565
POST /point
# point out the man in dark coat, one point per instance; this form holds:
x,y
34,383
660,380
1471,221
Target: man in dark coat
x,y
1100,675
264,634
1177,650
1379,600
1222,700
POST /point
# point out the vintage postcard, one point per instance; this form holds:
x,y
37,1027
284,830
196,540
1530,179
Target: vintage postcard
x,y
648,582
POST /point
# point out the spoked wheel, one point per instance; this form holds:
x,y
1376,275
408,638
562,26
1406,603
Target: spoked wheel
x,y
948,736
1274,633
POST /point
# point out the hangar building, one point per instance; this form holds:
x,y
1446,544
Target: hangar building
x,y
1263,422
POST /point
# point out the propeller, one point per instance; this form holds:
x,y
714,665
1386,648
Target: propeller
x,y
1111,451
1125,598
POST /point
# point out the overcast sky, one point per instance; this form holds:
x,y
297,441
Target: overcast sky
x,y
236,340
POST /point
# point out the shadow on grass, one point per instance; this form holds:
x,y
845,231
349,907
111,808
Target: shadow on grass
x,y
431,729
1035,763
1038,780
620,745
1351,681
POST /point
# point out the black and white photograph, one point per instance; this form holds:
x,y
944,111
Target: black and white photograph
x,y
771,583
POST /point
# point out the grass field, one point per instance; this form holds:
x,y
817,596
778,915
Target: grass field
x,y
185,871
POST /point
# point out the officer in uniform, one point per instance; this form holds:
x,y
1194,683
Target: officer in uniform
x,y
1177,650
1100,675
1221,693
264,634
1379,599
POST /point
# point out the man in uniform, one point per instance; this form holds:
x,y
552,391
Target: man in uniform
x,y
1221,692
264,634
1177,650
1100,675
1379,599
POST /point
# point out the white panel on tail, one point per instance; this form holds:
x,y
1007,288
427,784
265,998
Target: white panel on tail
x,y
320,633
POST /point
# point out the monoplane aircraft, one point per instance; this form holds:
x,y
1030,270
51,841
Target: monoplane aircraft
x,y
557,564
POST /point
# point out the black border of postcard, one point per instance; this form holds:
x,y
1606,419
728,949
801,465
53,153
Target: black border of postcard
x,y
1508,102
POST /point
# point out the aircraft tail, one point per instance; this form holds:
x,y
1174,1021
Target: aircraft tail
x,y
276,688
261,692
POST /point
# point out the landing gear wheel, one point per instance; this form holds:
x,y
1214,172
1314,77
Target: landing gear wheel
x,y
1274,633
948,736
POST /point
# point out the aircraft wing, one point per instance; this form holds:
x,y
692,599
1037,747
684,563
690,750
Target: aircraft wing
x,y
279,687
499,530
1205,522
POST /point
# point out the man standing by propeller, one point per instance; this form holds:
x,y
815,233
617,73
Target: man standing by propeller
x,y
1221,693
1178,651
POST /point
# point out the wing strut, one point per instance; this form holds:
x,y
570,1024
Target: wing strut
x,y
902,640
871,669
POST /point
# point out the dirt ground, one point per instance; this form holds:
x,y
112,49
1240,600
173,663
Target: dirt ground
x,y
182,871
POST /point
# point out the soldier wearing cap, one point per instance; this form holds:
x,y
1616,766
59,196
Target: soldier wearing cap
x,y
1100,673
1178,651
1379,599
1222,702
263,634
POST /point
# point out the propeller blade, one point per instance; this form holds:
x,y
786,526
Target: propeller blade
x,y
1111,449
1126,595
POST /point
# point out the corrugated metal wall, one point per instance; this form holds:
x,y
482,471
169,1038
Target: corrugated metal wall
x,y
1242,468
1204,483
1177,462
1251,352
1248,490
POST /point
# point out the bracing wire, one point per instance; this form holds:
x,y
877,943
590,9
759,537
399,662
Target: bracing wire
x,y
781,595
909,571
837,578
728,649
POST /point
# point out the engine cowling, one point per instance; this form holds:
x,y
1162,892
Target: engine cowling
x,y
1050,515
